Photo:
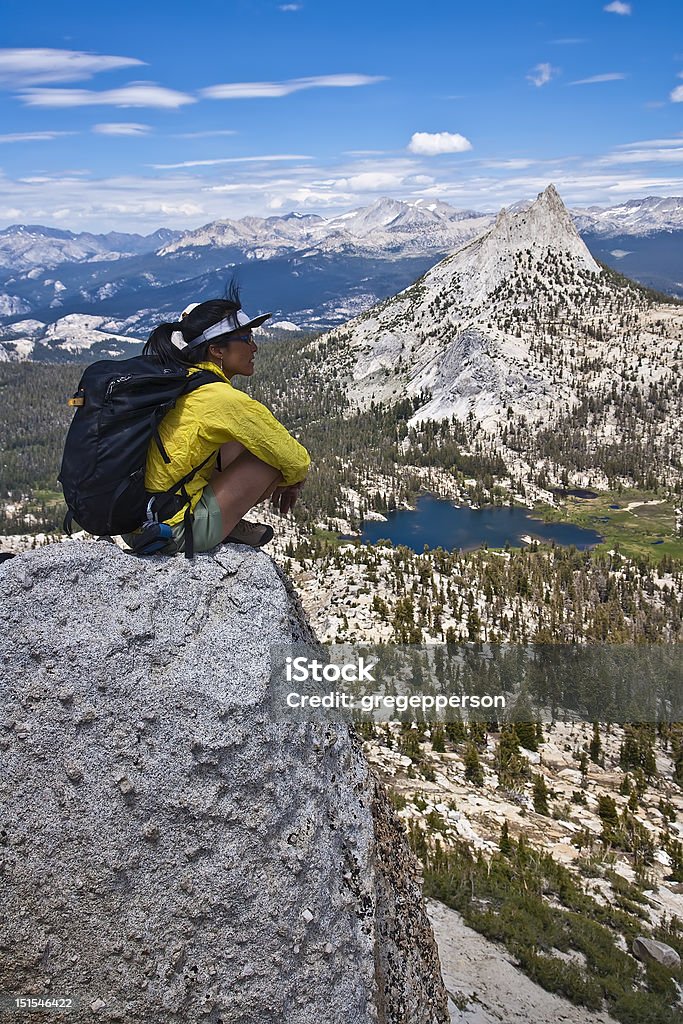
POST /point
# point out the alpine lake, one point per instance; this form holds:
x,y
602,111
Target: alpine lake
x,y
436,522
638,523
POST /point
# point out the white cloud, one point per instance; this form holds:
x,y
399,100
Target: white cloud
x,y
257,90
121,128
514,164
653,143
668,154
677,94
312,197
186,197
248,187
291,7
370,181
435,143
141,94
617,7
610,76
33,136
207,134
541,74
232,160
25,66
286,193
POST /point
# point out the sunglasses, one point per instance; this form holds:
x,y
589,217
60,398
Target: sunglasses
x,y
244,336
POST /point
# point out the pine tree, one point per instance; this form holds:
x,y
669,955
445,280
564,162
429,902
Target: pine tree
x,y
595,748
504,842
637,750
455,731
511,766
541,795
527,735
473,770
438,740
609,816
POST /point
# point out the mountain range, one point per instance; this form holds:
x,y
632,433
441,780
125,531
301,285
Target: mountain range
x,y
62,292
386,226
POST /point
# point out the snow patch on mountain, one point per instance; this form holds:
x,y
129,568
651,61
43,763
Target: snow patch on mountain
x,y
19,327
28,246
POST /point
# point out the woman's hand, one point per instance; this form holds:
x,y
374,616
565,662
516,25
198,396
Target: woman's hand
x,y
284,498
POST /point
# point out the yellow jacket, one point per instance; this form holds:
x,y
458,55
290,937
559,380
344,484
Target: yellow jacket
x,y
204,420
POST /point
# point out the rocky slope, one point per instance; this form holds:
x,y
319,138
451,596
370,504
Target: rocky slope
x,y
485,987
173,852
521,322
77,335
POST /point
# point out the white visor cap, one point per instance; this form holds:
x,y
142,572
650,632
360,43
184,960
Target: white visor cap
x,y
238,321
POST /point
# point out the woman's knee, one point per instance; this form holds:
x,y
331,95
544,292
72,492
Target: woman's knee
x,y
230,451
245,477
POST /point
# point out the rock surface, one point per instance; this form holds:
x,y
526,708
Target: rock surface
x,y
485,987
650,951
172,853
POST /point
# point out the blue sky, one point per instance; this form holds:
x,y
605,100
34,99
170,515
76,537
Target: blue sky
x,y
151,114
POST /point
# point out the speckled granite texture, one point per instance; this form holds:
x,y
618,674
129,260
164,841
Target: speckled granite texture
x,y
170,854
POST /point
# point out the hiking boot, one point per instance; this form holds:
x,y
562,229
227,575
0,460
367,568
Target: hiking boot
x,y
253,534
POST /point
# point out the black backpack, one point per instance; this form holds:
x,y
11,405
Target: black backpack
x,y
119,405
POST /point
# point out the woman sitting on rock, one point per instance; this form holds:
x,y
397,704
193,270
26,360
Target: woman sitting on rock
x,y
256,457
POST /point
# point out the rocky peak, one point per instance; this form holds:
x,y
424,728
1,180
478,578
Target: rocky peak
x,y
547,222
472,330
175,853
544,227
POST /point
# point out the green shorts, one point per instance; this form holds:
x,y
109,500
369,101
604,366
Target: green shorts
x,y
207,524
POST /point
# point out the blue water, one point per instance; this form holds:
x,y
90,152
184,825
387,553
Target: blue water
x,y
438,523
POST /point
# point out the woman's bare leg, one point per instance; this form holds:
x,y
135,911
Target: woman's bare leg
x,y
228,453
241,484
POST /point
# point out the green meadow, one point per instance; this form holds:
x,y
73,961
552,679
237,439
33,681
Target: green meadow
x,y
637,528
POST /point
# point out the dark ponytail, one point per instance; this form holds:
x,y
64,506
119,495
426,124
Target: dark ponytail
x,y
160,346
205,315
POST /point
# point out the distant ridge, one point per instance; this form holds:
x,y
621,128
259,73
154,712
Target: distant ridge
x,y
314,272
387,225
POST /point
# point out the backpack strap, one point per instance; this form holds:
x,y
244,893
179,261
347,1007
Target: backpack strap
x,y
179,489
194,381
189,536
160,444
